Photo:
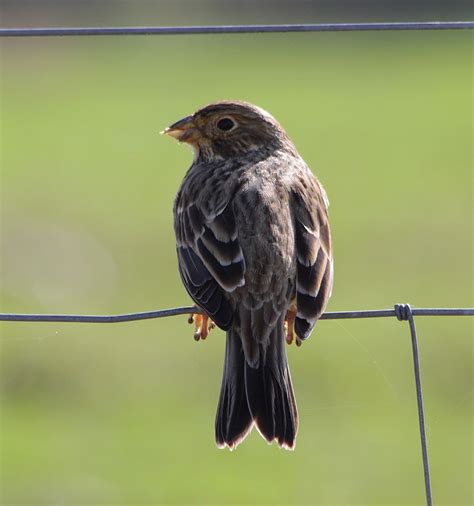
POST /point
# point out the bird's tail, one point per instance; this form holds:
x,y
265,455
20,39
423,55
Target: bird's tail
x,y
261,394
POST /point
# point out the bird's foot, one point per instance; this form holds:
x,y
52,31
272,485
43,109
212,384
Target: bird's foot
x,y
203,324
290,327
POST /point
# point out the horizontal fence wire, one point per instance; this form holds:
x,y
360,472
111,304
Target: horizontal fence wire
x,y
162,313
221,29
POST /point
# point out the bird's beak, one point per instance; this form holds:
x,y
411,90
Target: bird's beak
x,y
183,130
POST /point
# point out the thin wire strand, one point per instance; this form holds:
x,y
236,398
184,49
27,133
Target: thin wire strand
x,y
149,315
421,413
405,313
221,29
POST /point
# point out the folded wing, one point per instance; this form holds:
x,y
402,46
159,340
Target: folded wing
x,y
314,266
210,258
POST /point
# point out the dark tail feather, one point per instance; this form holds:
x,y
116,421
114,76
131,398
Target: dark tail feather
x,y
270,393
233,419
262,395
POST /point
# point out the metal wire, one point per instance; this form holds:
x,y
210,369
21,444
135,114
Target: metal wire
x,y
405,313
148,315
190,30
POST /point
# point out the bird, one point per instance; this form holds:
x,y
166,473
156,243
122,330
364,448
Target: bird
x,y
255,255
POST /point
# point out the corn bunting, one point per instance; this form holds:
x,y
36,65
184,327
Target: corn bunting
x,y
255,255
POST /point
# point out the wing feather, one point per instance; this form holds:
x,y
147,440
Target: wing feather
x,y
314,263
210,258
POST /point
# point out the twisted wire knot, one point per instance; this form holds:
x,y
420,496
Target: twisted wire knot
x,y
403,312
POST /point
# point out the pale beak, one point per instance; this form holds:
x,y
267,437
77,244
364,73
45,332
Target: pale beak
x,y
183,130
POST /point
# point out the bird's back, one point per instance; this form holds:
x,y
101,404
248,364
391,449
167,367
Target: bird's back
x,y
265,228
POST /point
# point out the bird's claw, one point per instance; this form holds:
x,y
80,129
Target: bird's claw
x,y
203,324
290,327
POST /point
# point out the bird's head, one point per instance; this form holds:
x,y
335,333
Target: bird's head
x,y
230,129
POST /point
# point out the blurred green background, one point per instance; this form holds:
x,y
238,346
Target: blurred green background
x,y
111,414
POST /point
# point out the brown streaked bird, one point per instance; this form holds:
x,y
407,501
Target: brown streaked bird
x,y
254,253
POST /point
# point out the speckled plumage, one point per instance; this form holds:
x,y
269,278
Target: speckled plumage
x,y
252,239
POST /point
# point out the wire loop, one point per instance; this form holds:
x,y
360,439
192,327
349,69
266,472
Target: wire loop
x,y
403,312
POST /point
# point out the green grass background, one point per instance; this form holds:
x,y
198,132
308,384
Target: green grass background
x,y
98,414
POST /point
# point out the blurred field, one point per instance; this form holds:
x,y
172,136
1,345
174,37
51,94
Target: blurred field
x,y
96,414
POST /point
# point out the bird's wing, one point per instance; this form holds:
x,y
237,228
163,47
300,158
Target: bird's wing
x,y
210,258
314,267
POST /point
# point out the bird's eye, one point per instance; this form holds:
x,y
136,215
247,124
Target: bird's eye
x,y
225,124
